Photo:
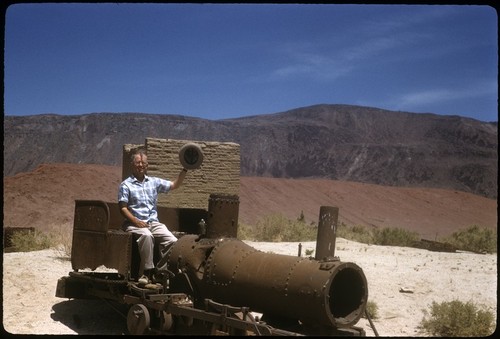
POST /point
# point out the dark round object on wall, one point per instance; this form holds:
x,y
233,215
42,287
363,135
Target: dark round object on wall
x,y
191,156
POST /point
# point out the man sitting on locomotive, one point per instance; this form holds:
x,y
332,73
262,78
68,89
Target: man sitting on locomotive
x,y
137,200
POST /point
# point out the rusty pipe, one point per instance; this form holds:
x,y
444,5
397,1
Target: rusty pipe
x,y
227,270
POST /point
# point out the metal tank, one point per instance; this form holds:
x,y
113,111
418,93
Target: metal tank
x,y
321,290
332,293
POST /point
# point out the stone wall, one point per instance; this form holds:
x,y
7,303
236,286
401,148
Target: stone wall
x,y
219,172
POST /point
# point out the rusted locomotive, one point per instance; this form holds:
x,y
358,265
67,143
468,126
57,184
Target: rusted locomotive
x,y
211,283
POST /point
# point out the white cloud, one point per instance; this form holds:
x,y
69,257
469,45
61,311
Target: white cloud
x,y
447,94
415,100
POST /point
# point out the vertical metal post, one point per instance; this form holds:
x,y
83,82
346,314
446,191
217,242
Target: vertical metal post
x,y
327,232
222,218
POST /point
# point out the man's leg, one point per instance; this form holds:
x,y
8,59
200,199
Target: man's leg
x,y
164,236
165,240
145,242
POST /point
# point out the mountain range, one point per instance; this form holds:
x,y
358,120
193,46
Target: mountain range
x,y
337,142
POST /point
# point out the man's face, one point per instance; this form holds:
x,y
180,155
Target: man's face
x,y
140,165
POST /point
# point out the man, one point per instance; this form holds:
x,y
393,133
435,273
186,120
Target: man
x,y
137,200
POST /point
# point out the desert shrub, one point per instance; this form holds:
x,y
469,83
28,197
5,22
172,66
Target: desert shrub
x,y
386,236
301,217
309,252
245,232
356,233
31,241
276,227
457,319
63,237
474,239
272,228
58,238
394,237
372,309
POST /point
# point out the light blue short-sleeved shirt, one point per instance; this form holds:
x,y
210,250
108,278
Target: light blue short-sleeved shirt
x,y
141,197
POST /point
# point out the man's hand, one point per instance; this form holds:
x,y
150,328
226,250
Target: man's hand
x,y
126,213
140,223
180,178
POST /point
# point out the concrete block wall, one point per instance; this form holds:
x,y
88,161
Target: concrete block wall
x,y
219,172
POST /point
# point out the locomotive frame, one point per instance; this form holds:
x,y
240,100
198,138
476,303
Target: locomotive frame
x,y
210,282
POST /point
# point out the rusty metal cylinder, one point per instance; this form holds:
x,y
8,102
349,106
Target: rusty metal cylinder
x,y
331,293
327,232
223,212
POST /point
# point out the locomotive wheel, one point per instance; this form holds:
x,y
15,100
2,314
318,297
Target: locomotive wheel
x,y
166,321
185,320
138,319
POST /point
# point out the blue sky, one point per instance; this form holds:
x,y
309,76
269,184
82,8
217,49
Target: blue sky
x,y
218,61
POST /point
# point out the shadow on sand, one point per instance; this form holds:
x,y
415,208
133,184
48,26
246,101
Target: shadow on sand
x,y
92,316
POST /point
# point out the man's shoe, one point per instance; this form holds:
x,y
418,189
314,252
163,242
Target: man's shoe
x,y
153,286
143,280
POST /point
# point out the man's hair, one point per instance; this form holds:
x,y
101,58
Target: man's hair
x,y
135,152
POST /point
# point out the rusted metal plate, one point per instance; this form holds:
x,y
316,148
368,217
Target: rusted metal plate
x,y
222,216
91,215
94,244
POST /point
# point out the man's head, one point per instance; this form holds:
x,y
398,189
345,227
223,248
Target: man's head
x,y
139,163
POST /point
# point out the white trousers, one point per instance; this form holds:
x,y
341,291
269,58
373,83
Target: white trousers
x,y
146,242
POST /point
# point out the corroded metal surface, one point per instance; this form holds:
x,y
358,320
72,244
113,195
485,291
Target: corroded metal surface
x,y
209,282
222,276
327,232
222,216
331,293
94,244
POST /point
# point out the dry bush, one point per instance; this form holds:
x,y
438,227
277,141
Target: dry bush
x,y
31,241
277,227
59,238
372,309
63,237
457,319
475,239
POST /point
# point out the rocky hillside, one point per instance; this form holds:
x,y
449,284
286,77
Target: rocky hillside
x,y
339,142
45,199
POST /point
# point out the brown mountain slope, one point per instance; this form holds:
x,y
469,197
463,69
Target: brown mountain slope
x,y
337,142
45,198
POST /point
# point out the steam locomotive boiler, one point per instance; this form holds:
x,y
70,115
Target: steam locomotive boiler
x,y
210,282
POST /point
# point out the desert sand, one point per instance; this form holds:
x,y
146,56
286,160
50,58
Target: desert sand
x,y
45,199
401,281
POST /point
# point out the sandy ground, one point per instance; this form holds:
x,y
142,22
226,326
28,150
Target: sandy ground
x,y
30,279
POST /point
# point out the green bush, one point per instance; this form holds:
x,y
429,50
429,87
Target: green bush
x,y
394,237
474,239
456,319
245,232
386,236
355,233
60,239
271,228
276,228
372,309
309,252
31,241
